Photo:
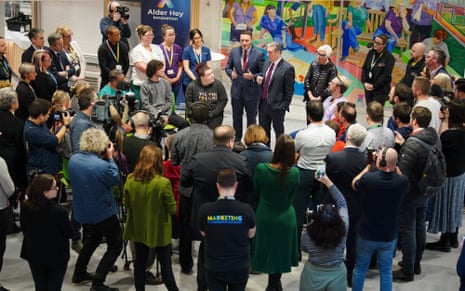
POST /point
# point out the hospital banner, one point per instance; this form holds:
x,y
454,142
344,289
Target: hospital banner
x,y
173,12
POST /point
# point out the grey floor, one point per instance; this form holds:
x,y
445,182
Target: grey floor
x,y
438,269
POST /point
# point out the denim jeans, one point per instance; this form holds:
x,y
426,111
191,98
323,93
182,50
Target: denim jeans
x,y
365,250
319,21
349,38
412,232
110,229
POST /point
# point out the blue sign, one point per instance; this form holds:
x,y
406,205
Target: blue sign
x,y
172,12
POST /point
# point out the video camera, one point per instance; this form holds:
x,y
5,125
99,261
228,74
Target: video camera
x,y
58,115
101,113
123,10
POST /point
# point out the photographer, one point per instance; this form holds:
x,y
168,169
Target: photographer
x,y
40,142
118,17
156,96
93,173
115,77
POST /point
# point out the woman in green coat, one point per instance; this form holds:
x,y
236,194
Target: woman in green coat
x,y
150,203
274,249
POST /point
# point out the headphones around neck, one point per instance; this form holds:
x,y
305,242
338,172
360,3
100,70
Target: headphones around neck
x,y
383,162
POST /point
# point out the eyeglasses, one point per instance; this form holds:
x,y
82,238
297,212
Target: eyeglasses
x,y
320,54
378,43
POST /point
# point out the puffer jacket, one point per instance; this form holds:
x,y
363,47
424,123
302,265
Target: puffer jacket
x,y
413,155
317,79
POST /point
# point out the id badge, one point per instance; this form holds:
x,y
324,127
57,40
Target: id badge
x,y
370,75
120,68
170,72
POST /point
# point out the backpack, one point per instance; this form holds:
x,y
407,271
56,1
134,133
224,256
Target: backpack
x,y
434,174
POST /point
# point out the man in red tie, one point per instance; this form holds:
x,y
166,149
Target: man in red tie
x,y
245,64
277,90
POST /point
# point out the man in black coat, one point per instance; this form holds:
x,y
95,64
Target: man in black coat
x,y
112,54
202,172
341,168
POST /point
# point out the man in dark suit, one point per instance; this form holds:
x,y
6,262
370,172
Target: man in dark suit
x,y
245,63
277,90
61,68
341,168
36,36
112,54
201,173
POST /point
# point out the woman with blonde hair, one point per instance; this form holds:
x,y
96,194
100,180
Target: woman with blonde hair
x,y
45,83
26,93
140,55
443,81
150,204
73,53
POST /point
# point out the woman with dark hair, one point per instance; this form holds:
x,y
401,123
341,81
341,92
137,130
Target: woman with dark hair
x,y
47,231
45,83
209,90
150,204
194,55
446,216
324,239
274,249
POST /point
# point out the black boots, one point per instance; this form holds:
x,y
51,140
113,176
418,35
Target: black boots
x,y
442,245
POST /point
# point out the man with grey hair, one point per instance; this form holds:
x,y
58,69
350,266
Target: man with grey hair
x,y
61,68
93,173
132,145
277,90
341,168
320,73
12,148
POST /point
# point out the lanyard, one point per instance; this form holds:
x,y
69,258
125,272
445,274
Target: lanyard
x,y
198,57
169,58
116,57
374,60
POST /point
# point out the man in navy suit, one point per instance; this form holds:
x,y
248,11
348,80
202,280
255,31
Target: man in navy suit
x,y
277,90
245,63
61,68
341,168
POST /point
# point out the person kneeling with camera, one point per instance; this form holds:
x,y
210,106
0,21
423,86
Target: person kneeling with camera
x,y
156,96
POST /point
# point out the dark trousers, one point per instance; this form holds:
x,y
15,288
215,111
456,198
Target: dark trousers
x,y
76,226
4,219
201,275
351,246
370,97
164,257
185,238
268,115
308,190
227,280
110,229
238,105
177,121
48,278
419,33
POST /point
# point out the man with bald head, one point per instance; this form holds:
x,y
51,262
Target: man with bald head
x,y
416,63
382,188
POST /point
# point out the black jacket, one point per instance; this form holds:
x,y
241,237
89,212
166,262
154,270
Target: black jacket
x,y
413,70
317,79
381,71
412,158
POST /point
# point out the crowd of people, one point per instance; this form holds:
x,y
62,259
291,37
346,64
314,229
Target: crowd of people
x,y
252,207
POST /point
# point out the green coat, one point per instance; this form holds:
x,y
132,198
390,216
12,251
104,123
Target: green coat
x,y
149,208
274,248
